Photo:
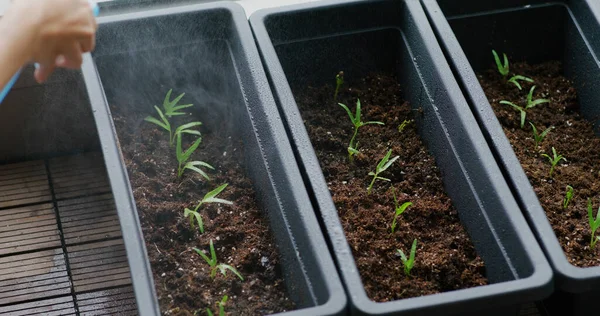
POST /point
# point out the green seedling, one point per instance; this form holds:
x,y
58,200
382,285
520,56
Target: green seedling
x,y
171,107
399,209
385,163
503,69
339,81
538,138
356,121
212,262
594,224
515,80
183,157
554,160
404,124
210,197
568,197
163,122
221,305
409,262
530,104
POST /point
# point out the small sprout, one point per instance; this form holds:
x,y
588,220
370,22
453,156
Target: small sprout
x,y
212,262
404,124
385,163
210,197
399,210
183,157
554,160
339,81
538,138
594,224
221,305
515,80
409,263
171,107
164,123
568,197
530,104
355,119
503,69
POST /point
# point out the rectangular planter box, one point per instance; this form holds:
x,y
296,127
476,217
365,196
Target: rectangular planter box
x,y
307,45
567,31
208,52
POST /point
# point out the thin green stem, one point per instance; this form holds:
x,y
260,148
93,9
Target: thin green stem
x,y
371,185
352,142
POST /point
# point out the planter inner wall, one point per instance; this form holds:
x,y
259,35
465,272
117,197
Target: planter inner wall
x,y
200,53
53,118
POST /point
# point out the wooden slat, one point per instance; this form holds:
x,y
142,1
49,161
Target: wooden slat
x,y
83,221
48,307
119,301
35,275
80,175
97,266
24,183
28,228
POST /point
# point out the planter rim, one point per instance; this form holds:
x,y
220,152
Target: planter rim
x,y
137,256
541,276
515,173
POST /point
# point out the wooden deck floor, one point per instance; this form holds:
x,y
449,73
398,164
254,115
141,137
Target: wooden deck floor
x,y
61,250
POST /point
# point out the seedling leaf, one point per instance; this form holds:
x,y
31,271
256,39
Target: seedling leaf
x,y
503,69
399,209
538,138
568,197
515,80
409,262
383,165
224,267
164,123
357,123
171,107
594,223
554,160
210,197
339,81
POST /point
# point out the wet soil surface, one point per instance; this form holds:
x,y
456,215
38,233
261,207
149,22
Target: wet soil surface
x,y
240,232
572,136
445,259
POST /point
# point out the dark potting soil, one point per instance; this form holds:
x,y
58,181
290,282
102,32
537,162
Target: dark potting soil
x,y
573,137
240,232
446,259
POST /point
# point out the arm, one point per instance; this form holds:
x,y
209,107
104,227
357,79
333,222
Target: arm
x,y
53,33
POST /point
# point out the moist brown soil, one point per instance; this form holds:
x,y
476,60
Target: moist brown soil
x,y
446,259
240,232
573,137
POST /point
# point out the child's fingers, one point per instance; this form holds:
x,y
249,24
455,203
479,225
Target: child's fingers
x,y
42,72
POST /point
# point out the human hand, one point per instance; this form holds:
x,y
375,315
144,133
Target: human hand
x,y
58,32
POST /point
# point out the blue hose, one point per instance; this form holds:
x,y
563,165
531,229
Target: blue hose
x,y
11,82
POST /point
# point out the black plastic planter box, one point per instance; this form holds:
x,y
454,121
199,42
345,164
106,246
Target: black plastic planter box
x,y
208,52
566,31
307,45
